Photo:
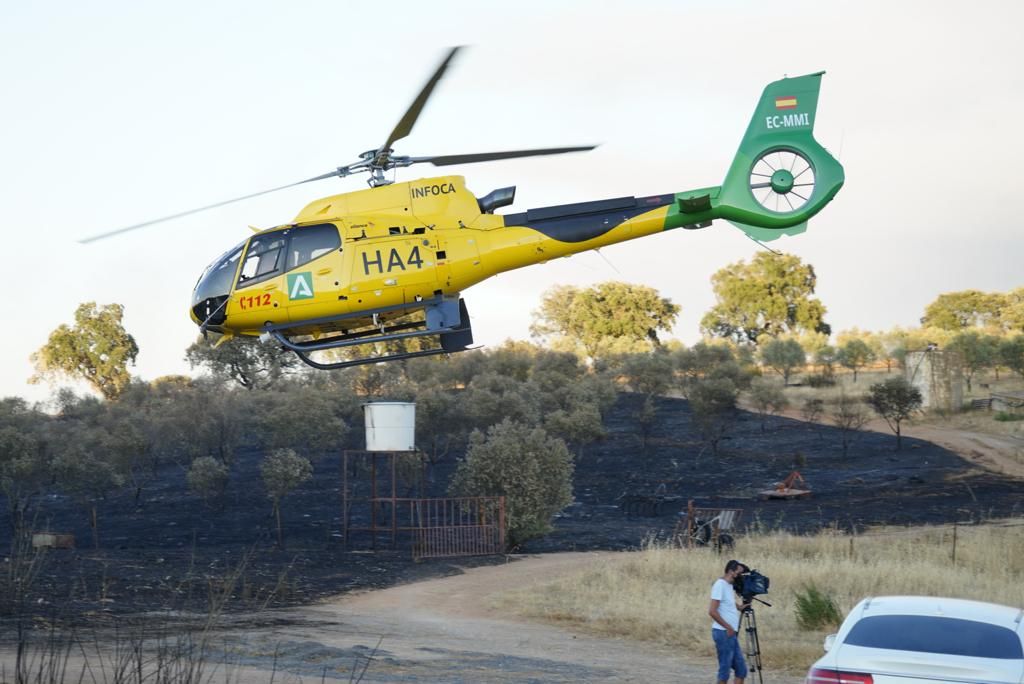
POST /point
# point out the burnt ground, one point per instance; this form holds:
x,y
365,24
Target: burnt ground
x,y
172,552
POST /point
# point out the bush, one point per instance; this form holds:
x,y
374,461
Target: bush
x,y
815,610
207,478
1005,417
820,380
532,470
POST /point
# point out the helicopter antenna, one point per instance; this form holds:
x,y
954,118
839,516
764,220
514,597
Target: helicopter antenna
x,y
607,261
776,253
378,161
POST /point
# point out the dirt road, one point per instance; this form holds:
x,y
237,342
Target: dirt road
x,y
442,630
997,453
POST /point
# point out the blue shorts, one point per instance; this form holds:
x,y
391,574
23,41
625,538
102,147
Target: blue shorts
x,y
730,655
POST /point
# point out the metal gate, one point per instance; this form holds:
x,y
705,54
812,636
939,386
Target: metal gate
x,y
468,526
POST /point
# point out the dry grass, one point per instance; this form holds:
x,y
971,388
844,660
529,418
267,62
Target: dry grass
x,y
661,595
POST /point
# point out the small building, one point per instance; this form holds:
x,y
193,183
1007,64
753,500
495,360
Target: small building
x,y
939,375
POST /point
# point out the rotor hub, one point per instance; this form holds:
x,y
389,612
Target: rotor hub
x,y
782,181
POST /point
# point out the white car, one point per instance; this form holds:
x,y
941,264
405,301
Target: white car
x,y
906,639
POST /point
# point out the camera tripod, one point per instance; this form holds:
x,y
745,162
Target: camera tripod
x,y
751,643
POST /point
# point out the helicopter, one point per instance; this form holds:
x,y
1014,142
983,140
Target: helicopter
x,y
390,262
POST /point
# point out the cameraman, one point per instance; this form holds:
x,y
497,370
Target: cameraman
x,y
725,616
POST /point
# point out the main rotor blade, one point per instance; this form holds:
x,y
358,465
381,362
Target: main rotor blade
x,y
449,159
405,125
126,229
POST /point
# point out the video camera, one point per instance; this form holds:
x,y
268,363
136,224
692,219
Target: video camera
x,y
750,584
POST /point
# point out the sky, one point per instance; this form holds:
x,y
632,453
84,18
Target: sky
x,y
114,113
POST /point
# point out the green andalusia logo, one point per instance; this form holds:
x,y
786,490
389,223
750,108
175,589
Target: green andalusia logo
x,y
300,285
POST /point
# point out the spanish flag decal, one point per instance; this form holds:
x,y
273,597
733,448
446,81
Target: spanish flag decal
x,y
785,102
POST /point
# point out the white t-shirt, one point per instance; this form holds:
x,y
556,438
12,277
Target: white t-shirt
x,y
723,593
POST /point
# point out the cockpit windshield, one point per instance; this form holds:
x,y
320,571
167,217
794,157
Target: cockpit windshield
x,y
217,278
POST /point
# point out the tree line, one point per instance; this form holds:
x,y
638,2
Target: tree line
x,y
539,403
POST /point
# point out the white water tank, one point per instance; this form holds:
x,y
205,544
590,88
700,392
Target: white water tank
x,y
390,425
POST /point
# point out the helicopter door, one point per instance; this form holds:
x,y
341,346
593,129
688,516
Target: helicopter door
x,y
314,273
259,292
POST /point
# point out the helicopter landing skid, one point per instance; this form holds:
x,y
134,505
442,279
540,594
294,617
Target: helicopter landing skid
x,y
444,318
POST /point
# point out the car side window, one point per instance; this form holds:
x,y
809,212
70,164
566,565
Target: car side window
x,y
311,242
264,259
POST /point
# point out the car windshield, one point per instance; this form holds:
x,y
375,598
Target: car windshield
x,y
930,634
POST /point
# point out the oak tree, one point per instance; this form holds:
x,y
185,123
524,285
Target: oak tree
x,y
246,361
609,317
895,400
964,309
96,349
772,295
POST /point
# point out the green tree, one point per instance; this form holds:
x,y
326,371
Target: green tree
x,y
530,469
1011,318
811,411
218,419
492,398
770,296
97,349
302,417
1011,354
895,400
855,354
23,473
825,358
713,402
645,418
245,360
283,471
849,415
440,421
978,350
85,472
768,398
648,374
605,318
513,359
579,425
964,309
24,462
783,356
890,347
711,361
207,478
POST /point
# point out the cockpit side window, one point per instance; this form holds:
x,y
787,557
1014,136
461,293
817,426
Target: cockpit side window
x,y
311,242
264,258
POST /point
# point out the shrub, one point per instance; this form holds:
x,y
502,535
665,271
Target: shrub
x,y
815,610
820,380
532,470
283,471
1005,417
207,478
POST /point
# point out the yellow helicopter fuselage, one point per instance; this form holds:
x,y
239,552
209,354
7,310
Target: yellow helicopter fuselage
x,y
400,245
